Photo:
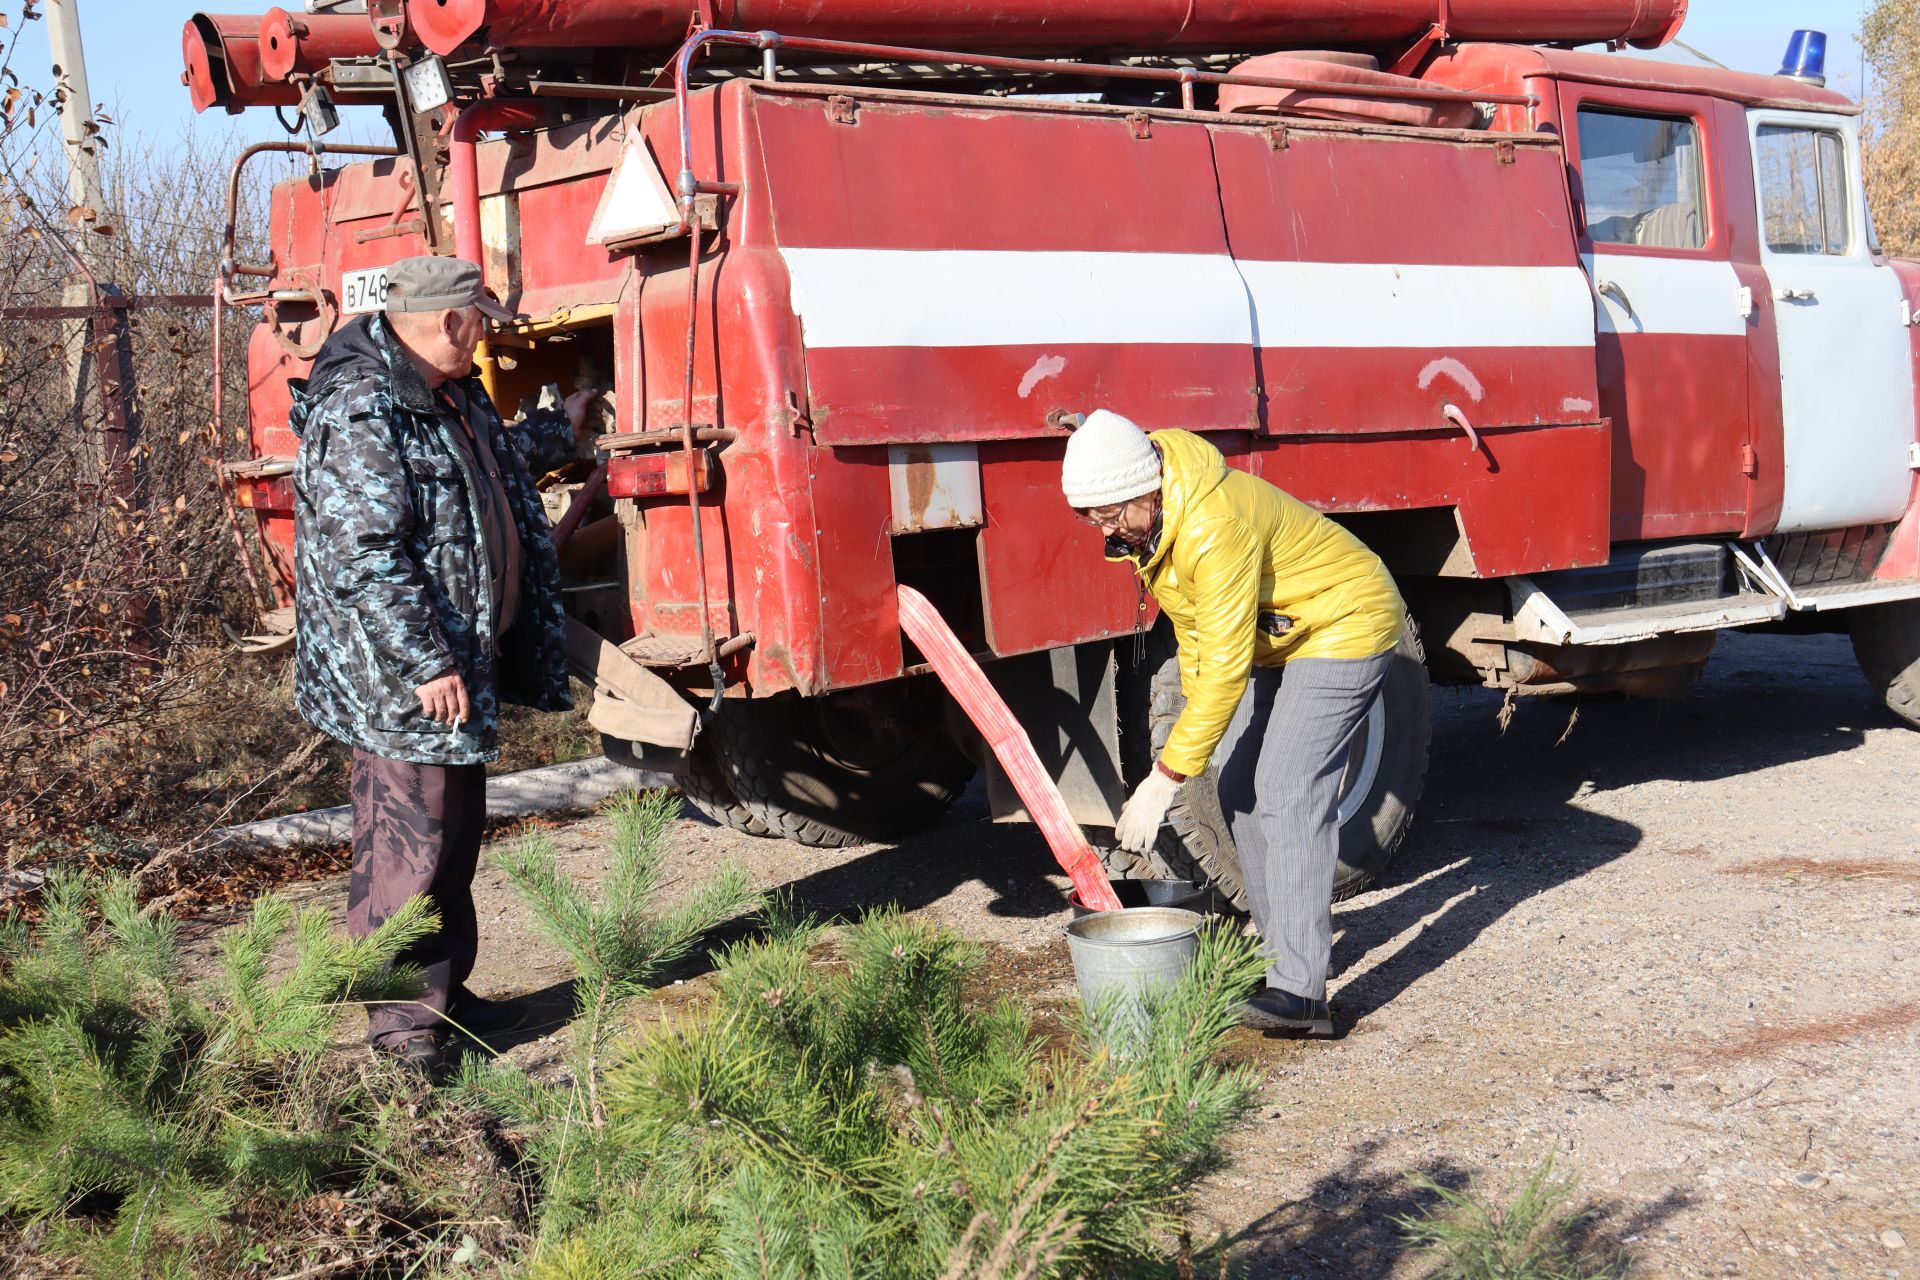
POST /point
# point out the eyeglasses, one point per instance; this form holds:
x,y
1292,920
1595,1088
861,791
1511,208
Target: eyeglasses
x,y
1102,516
1109,516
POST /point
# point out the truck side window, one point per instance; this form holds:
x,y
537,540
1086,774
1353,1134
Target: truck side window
x,y
1803,190
1643,181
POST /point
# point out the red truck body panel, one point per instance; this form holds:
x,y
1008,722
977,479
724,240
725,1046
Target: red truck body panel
x,y
1375,318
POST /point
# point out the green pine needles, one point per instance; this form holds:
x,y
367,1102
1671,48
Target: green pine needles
x,y
856,1106
623,943
1534,1236
122,1088
852,1104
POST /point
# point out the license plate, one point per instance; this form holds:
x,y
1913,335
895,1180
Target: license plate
x,y
363,291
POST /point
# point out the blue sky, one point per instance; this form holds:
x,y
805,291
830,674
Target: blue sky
x,y
133,56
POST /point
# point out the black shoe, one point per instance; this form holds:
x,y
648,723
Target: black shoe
x,y
1276,1010
421,1054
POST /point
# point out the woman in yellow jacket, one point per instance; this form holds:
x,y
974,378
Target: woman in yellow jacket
x,y
1286,626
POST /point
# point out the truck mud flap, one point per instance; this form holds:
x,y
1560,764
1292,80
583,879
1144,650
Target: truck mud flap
x,y
629,701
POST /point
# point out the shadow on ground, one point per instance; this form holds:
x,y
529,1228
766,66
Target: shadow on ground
x,y
1501,823
1348,1225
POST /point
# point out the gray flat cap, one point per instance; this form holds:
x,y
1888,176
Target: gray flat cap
x,y
439,284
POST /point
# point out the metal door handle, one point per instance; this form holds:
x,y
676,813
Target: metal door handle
x,y
1612,289
1455,415
1795,295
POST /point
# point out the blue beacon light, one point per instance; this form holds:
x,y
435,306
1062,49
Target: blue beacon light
x,y
1806,58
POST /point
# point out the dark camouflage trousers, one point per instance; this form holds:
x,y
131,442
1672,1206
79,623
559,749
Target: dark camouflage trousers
x,y
416,831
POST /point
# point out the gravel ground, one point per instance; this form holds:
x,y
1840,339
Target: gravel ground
x,y
1673,941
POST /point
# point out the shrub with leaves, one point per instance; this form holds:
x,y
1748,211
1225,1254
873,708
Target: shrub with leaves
x,y
122,1089
858,1108
1534,1236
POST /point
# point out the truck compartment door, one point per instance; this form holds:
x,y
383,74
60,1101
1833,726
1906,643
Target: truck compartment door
x,y
1846,366
1423,329
1059,260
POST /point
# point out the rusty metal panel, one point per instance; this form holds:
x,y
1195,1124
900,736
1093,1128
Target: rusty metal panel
x,y
934,486
1370,320
1530,499
858,618
1044,578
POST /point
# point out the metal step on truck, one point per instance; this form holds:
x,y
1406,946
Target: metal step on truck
x,y
1599,353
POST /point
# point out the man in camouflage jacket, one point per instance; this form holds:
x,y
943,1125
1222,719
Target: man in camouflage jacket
x,y
428,589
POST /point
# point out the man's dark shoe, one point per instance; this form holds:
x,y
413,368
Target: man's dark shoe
x,y
1275,1010
421,1054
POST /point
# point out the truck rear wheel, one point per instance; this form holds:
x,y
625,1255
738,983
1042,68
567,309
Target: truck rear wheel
x,y
841,769
1386,770
700,781
1886,643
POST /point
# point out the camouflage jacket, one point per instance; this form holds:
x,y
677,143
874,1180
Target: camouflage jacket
x,y
392,584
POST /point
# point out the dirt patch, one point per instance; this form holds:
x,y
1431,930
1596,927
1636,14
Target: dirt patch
x,y
1832,870
1770,1040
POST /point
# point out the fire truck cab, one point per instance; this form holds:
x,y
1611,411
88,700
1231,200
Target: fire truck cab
x,y
1599,353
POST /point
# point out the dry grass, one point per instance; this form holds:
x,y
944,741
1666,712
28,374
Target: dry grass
x,y
1769,1039
1832,870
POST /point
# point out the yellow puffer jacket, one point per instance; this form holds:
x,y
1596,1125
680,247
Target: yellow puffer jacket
x,y
1235,550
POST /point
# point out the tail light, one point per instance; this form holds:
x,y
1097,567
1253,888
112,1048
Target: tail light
x,y
270,496
655,475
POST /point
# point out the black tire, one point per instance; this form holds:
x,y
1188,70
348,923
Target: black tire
x,y
1886,643
1197,844
700,781
833,771
704,784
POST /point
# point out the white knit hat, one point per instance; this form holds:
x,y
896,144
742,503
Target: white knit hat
x,y
1109,460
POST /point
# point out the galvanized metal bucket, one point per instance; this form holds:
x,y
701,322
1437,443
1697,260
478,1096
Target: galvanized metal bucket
x,y
1187,895
1121,957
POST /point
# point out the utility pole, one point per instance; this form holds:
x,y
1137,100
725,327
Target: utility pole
x,y
104,335
80,135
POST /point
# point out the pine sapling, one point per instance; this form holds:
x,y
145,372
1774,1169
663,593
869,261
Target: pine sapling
x,y
1530,1237
623,943
118,1080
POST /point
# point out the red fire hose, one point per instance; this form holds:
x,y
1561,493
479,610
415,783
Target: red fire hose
x,y
968,685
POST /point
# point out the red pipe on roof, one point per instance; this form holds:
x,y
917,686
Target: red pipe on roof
x,y
222,53
304,43
1043,25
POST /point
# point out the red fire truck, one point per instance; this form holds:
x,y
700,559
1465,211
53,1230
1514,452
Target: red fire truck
x,y
1598,352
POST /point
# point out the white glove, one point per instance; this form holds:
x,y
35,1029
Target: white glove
x,y
1141,816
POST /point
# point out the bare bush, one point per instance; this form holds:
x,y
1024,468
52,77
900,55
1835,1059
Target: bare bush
x,y
113,572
